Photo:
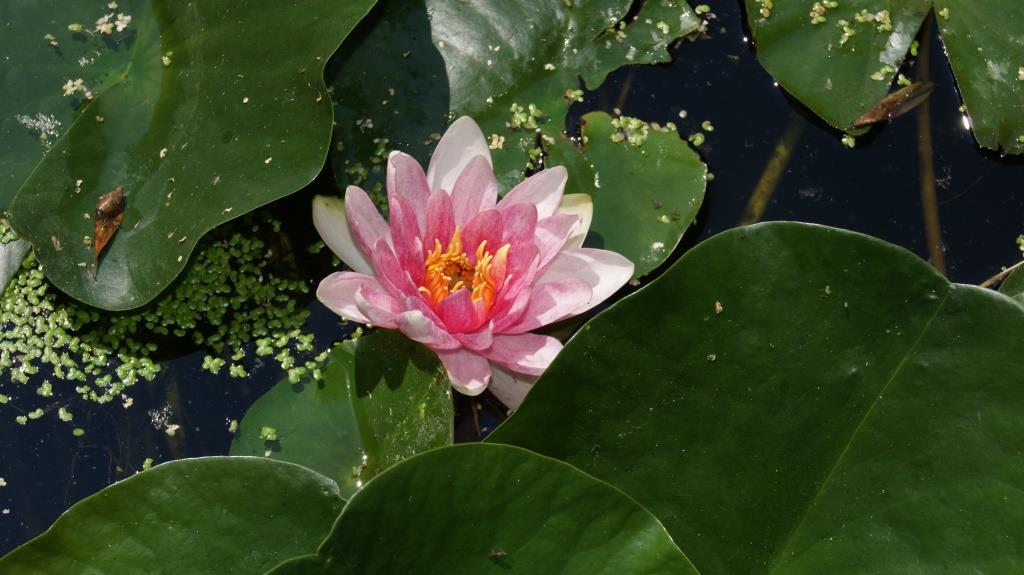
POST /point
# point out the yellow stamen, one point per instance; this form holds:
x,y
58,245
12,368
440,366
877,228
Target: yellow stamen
x,y
449,270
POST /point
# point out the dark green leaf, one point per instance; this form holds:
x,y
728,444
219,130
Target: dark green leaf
x,y
1013,285
11,255
986,52
480,508
304,565
382,398
417,64
192,516
237,117
36,112
789,398
840,80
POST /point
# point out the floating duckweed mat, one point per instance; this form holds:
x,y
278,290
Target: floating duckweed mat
x,y
241,298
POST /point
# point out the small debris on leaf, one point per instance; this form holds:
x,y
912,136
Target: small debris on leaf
x,y
108,217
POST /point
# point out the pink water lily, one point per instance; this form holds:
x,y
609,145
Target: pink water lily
x,y
465,274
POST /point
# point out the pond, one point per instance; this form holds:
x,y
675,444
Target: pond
x,y
771,159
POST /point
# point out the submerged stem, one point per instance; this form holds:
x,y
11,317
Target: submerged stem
x,y
624,92
765,187
1001,275
926,159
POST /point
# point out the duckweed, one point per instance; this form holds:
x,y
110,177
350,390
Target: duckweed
x,y
636,131
230,302
268,433
529,117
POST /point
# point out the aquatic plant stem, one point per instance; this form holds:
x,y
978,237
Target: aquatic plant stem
x,y
926,158
773,170
624,92
1001,275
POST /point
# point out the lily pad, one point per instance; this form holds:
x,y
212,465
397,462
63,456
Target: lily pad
x,y
515,66
202,113
480,508
191,516
40,56
656,188
789,398
841,70
1013,285
11,255
381,398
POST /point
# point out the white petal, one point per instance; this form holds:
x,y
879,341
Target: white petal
x,y
457,147
510,388
543,189
604,270
583,206
331,223
419,327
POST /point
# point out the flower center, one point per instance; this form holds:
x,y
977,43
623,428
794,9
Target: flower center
x,y
449,270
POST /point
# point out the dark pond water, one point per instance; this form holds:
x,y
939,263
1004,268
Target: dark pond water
x,y
874,189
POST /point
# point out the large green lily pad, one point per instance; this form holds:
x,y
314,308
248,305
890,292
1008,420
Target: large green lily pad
x,y
202,111
381,398
36,113
789,398
192,516
480,508
414,65
840,80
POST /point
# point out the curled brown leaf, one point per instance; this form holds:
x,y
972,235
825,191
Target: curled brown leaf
x,y
107,220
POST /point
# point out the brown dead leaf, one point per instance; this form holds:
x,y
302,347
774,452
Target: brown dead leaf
x,y
108,216
896,104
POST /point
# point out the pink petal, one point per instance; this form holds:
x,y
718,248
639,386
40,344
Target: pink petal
x,y
605,271
468,372
510,311
440,220
460,143
365,221
527,353
418,327
378,306
331,222
338,292
519,224
476,190
479,339
417,303
390,271
552,302
406,237
485,226
407,180
459,312
580,205
543,189
519,276
552,234
510,388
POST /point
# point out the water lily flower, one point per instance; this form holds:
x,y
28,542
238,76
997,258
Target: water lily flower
x,y
467,275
